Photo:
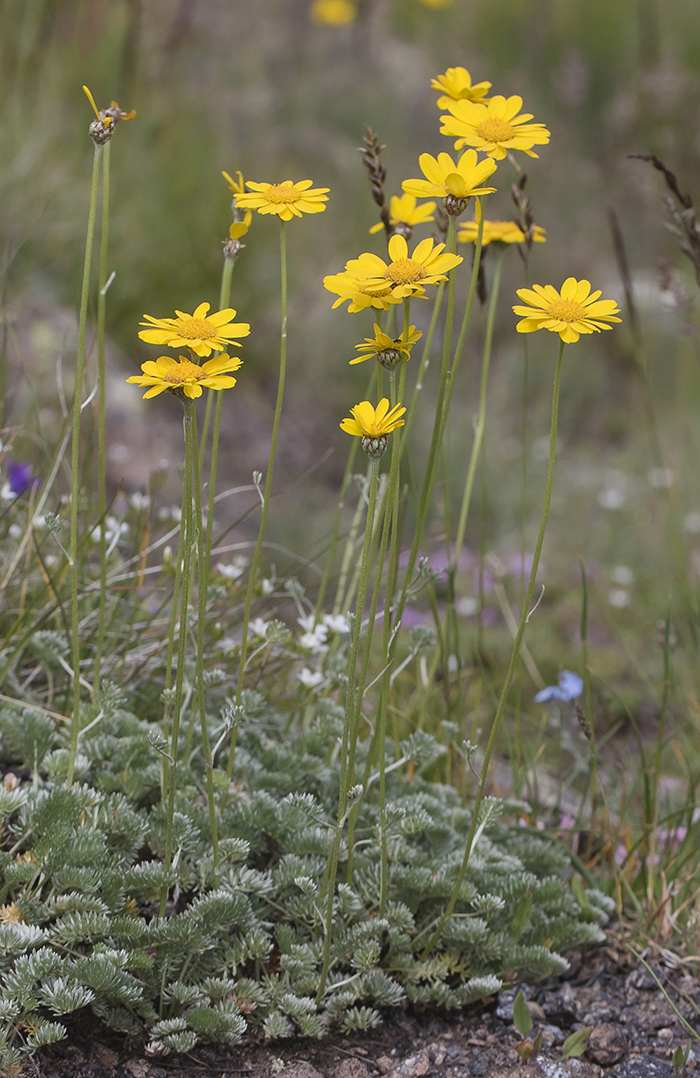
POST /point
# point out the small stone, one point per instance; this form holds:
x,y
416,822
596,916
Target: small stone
x,y
643,1066
642,978
301,1070
607,1044
413,1067
138,1067
665,1036
478,1065
106,1057
350,1068
385,1064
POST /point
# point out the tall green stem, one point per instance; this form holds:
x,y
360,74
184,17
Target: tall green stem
x,y
268,484
524,615
186,531
198,536
351,672
101,419
75,466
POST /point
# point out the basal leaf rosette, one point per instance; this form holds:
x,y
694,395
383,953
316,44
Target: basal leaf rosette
x,y
494,127
201,332
406,275
286,199
571,312
456,85
166,373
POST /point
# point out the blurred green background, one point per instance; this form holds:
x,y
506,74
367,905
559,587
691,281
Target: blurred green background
x,y
223,84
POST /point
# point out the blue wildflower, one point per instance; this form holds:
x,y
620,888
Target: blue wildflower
x,y
570,686
20,477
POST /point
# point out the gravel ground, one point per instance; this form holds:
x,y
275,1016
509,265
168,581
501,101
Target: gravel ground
x,y
634,1034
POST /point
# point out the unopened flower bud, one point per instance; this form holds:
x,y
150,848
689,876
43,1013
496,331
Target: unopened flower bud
x,y
389,358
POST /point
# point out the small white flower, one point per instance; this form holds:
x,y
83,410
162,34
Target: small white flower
x,y
139,501
15,531
310,678
467,606
316,640
258,627
266,586
337,623
39,521
50,560
619,597
7,494
231,572
622,575
691,522
307,622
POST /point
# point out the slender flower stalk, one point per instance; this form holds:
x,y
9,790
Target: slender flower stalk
x,y
515,654
332,869
224,299
187,541
101,418
75,465
198,537
268,483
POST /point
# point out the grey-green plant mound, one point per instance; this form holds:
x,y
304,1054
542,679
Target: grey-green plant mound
x,y
242,949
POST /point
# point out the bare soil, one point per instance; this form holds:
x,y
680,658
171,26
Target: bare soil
x,y
635,1031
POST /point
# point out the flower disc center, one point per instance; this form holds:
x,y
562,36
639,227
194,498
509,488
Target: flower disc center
x,y
566,310
494,129
282,192
183,372
196,329
405,271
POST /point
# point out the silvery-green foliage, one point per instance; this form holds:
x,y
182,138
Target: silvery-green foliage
x,y
243,948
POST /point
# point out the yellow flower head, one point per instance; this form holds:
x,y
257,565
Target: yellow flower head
x,y
102,129
359,298
200,332
370,422
285,199
494,127
237,187
332,12
405,213
388,350
569,313
405,275
166,373
455,182
456,85
498,232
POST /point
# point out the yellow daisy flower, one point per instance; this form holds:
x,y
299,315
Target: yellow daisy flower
x,y
405,213
456,85
406,275
166,373
359,298
569,313
370,422
386,349
494,127
332,12
200,332
498,232
451,181
286,199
